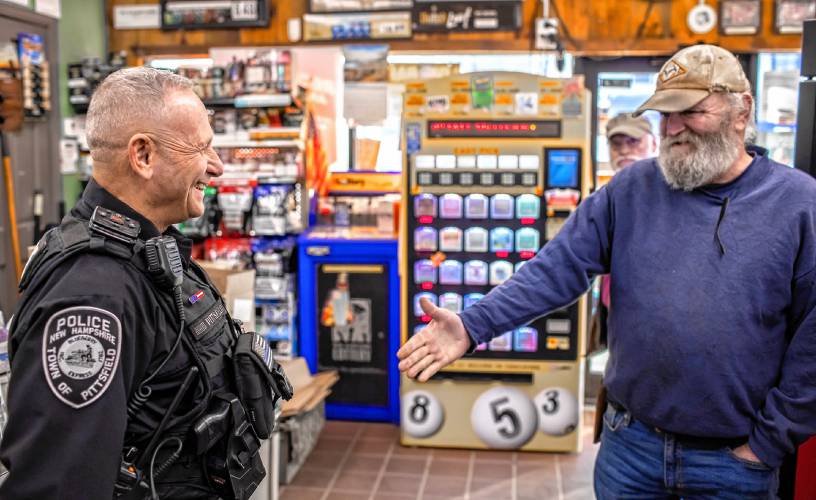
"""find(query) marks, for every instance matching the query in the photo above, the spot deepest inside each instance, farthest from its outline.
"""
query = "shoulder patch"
(81, 349)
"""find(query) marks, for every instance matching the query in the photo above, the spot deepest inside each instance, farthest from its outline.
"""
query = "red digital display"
(502, 255)
(528, 221)
(425, 318)
(427, 285)
(426, 219)
(494, 128)
(527, 255)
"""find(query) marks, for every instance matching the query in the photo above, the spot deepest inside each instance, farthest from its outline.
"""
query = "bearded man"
(630, 139)
(712, 254)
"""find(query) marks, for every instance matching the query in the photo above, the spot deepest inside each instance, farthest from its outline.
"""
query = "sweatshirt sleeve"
(788, 417)
(554, 278)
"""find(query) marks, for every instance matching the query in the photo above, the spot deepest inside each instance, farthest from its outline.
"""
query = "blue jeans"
(636, 462)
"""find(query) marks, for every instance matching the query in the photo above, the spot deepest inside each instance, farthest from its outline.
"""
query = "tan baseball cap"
(626, 124)
(693, 74)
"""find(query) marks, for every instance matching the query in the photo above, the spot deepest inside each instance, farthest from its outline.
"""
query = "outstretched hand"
(437, 345)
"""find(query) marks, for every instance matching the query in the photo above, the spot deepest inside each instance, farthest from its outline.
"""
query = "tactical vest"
(210, 334)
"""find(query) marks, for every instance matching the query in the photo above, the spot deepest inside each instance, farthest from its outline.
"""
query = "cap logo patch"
(671, 71)
(81, 349)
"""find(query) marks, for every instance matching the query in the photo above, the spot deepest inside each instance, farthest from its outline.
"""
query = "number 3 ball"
(422, 414)
(557, 411)
(504, 418)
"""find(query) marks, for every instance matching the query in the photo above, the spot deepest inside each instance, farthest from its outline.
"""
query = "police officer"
(105, 390)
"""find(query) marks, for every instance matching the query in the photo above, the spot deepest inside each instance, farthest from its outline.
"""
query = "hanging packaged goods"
(210, 14)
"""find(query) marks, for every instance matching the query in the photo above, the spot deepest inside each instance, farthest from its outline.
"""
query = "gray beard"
(712, 155)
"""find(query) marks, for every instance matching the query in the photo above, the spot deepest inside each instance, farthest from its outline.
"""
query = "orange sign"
(365, 182)
(460, 99)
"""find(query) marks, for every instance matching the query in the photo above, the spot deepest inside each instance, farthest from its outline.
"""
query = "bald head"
(127, 102)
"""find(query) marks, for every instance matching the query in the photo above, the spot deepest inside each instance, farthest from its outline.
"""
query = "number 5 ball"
(422, 414)
(504, 418)
(557, 411)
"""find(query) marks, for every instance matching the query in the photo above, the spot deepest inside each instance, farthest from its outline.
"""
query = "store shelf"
(250, 101)
(269, 133)
(231, 142)
(240, 178)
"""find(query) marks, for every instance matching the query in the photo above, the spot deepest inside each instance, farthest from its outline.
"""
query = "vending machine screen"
(528, 206)
(501, 206)
(425, 239)
(450, 273)
(451, 301)
(503, 342)
(450, 239)
(472, 298)
(450, 206)
(428, 295)
(476, 239)
(425, 205)
(476, 206)
(476, 272)
(501, 239)
(563, 168)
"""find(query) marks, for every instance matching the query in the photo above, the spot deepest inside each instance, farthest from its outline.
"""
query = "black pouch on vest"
(261, 382)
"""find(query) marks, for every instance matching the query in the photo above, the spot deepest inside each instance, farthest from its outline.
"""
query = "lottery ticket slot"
(563, 186)
(493, 166)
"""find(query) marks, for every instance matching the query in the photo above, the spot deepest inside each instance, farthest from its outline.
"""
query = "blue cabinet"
(349, 321)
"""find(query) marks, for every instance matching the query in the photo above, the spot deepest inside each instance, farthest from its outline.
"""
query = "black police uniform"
(84, 338)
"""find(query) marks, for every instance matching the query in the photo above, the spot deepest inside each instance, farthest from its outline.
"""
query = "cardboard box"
(303, 416)
(310, 390)
(237, 286)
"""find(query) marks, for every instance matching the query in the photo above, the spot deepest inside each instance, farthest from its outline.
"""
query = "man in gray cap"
(630, 139)
(712, 337)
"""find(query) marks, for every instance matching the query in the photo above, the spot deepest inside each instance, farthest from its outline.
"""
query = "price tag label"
(391, 28)
(244, 10)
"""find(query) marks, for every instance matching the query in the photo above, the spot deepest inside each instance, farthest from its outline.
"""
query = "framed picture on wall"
(357, 26)
(791, 13)
(740, 17)
(214, 14)
(358, 5)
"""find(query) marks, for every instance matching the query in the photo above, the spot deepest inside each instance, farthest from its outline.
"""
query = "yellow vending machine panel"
(496, 162)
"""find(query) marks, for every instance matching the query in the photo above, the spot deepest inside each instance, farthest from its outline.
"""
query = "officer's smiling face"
(186, 160)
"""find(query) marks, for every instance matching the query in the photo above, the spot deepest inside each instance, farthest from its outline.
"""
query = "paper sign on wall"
(127, 17)
(48, 7)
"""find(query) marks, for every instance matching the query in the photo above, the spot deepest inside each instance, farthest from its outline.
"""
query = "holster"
(234, 466)
(260, 381)
(600, 409)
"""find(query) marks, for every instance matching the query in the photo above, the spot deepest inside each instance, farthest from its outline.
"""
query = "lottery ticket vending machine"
(496, 162)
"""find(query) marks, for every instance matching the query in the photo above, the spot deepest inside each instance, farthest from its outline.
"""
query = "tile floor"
(358, 461)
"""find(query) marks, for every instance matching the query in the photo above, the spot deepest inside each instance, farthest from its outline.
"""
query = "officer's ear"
(142, 155)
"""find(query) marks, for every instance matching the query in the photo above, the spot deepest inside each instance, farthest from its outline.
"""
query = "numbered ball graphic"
(504, 418)
(422, 414)
(557, 411)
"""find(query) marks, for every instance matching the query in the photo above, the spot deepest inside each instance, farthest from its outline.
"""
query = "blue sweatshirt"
(712, 331)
